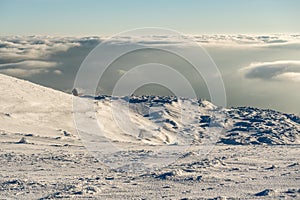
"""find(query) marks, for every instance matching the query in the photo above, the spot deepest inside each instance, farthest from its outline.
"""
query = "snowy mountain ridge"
(195, 118)
(156, 120)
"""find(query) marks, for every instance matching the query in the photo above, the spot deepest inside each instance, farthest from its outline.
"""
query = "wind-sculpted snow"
(159, 120)
(41, 157)
(184, 119)
(262, 126)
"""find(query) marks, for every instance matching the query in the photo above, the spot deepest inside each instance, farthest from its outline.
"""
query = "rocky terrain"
(241, 125)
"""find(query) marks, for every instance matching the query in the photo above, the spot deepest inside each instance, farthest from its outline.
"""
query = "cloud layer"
(14, 48)
(275, 40)
(27, 68)
(287, 70)
(54, 62)
(23, 56)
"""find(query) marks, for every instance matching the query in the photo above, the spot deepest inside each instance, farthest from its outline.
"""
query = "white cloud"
(23, 56)
(29, 64)
(17, 48)
(58, 72)
(27, 68)
(39, 52)
(286, 70)
(33, 47)
(22, 72)
(246, 40)
(291, 76)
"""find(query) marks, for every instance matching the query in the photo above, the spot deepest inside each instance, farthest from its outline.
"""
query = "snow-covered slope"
(261, 126)
(29, 108)
(157, 120)
(172, 120)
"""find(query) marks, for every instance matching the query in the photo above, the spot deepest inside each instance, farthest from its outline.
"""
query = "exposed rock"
(22, 141)
(266, 192)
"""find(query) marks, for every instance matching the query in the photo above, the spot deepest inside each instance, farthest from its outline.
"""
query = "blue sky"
(97, 17)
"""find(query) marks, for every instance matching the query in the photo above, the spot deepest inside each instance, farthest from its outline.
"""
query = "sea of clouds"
(24, 56)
